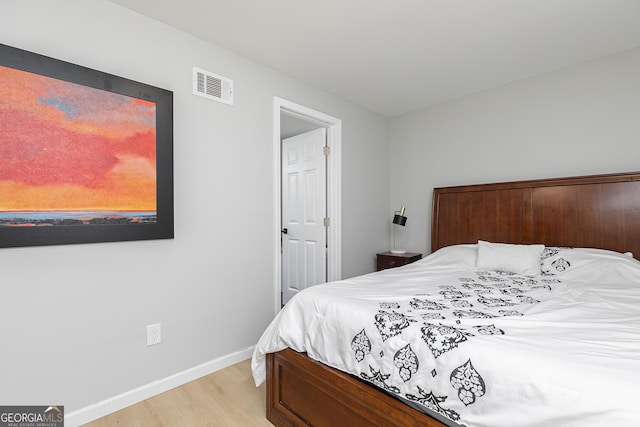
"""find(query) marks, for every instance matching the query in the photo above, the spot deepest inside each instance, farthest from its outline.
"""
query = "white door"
(304, 236)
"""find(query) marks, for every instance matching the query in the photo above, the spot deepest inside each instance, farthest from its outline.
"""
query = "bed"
(557, 346)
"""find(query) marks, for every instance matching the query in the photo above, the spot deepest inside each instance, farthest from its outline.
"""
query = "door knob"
(285, 231)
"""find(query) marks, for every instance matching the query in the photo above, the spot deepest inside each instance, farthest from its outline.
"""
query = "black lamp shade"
(399, 219)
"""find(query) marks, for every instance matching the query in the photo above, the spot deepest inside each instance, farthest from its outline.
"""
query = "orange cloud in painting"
(65, 146)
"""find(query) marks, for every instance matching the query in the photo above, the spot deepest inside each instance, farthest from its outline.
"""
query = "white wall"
(73, 318)
(579, 121)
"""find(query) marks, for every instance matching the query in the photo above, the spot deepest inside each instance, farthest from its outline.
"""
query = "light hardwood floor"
(228, 397)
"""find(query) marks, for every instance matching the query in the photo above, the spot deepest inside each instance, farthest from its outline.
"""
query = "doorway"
(288, 115)
(304, 210)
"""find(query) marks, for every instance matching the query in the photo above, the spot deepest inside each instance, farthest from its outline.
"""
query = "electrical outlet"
(154, 334)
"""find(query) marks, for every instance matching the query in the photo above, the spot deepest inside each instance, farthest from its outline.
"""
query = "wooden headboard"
(600, 211)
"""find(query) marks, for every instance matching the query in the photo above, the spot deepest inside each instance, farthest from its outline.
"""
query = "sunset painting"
(74, 155)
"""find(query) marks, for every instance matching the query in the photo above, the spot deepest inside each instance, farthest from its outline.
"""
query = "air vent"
(212, 86)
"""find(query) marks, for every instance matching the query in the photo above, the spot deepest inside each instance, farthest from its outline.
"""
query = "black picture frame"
(163, 226)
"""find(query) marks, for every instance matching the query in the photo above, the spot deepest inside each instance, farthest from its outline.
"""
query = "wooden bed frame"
(601, 211)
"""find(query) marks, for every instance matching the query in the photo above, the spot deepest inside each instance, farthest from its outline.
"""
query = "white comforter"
(482, 348)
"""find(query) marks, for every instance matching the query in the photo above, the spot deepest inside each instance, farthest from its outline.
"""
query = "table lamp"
(398, 219)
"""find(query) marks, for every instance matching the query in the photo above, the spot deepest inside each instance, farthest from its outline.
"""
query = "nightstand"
(388, 260)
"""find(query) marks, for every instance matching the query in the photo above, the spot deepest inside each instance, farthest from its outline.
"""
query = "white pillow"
(519, 259)
(455, 256)
(560, 260)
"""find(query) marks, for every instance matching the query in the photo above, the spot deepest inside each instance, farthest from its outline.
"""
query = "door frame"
(333, 126)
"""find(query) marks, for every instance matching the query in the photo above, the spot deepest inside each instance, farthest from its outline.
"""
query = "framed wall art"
(85, 156)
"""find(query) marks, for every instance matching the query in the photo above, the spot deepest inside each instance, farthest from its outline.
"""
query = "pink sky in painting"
(65, 146)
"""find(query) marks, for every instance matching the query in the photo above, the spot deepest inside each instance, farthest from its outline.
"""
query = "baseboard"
(113, 404)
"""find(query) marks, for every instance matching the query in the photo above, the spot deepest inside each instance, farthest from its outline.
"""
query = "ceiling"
(398, 56)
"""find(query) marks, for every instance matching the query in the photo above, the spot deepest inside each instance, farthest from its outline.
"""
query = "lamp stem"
(393, 228)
